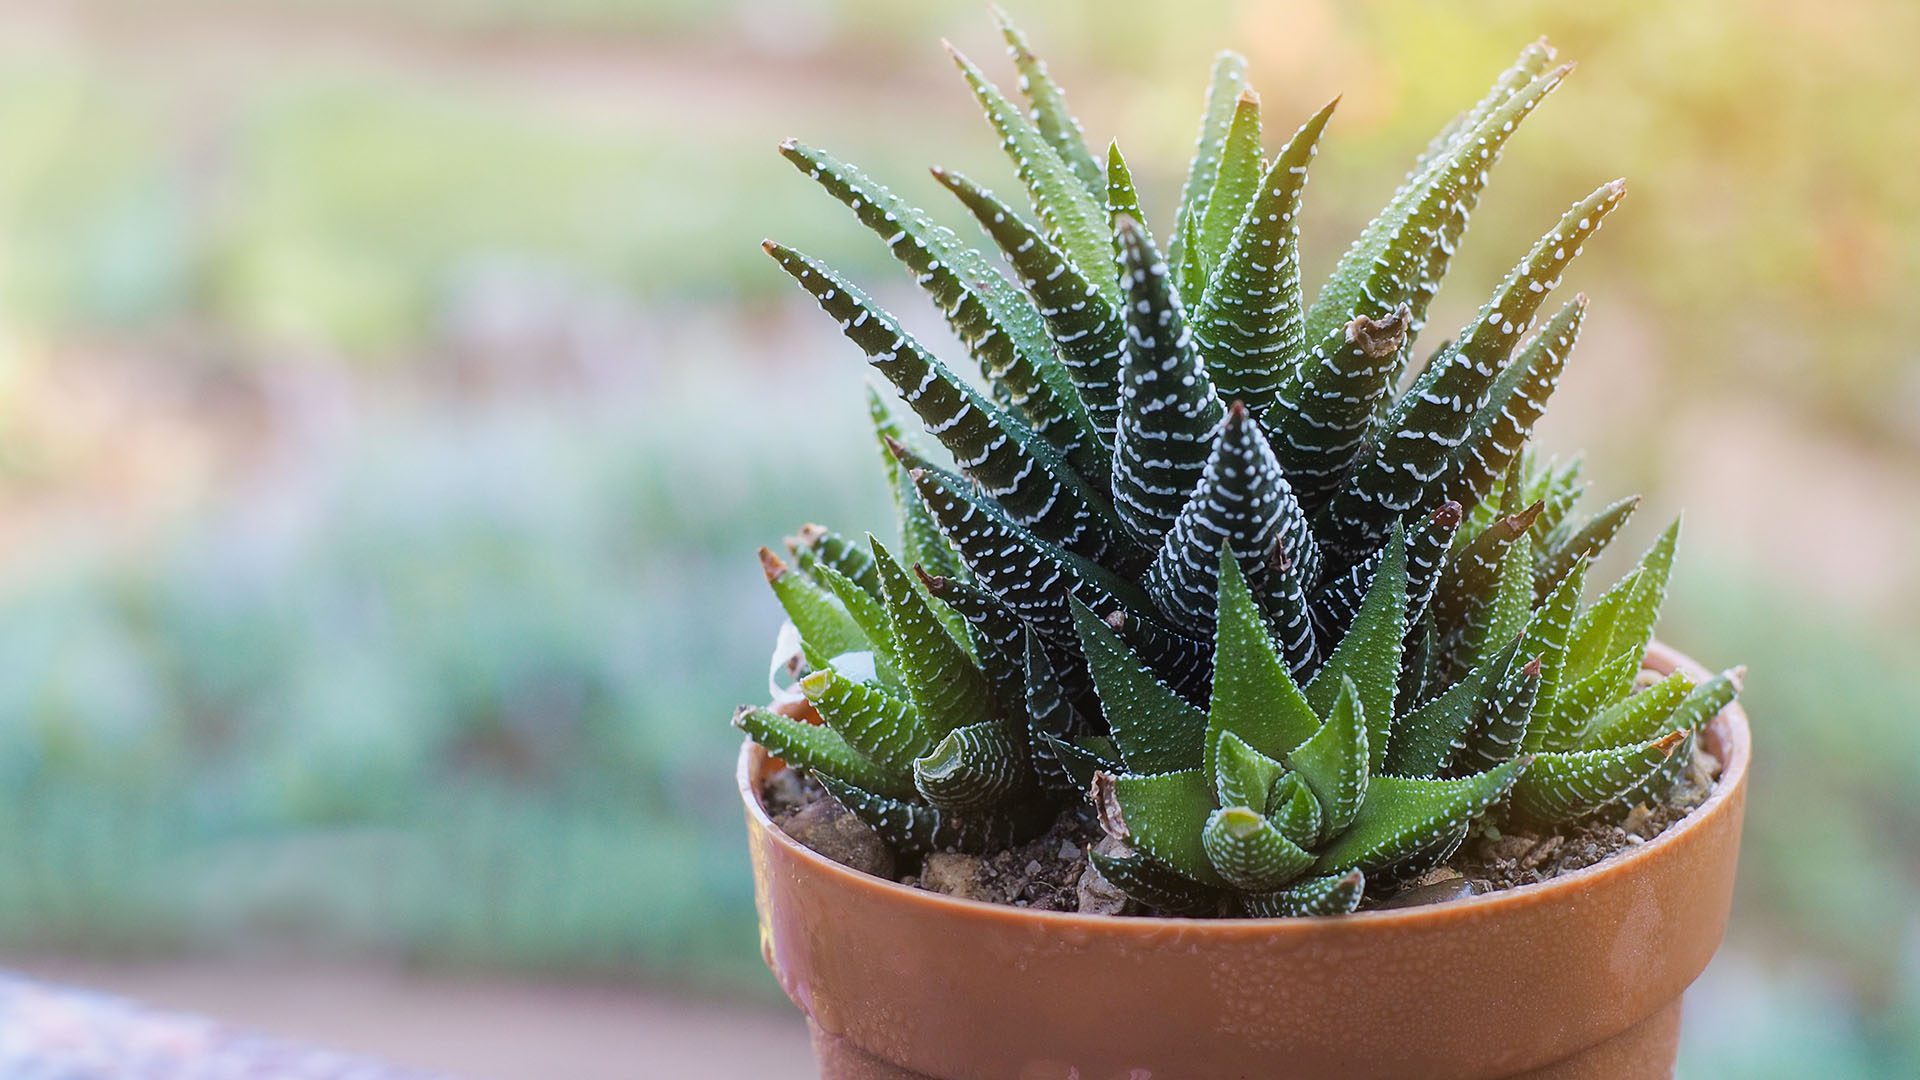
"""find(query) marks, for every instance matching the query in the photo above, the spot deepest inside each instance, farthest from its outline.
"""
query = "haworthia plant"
(1289, 623)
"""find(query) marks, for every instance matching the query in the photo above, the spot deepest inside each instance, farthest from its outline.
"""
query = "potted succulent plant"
(1234, 706)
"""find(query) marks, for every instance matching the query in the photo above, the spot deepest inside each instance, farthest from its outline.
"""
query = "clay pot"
(1576, 977)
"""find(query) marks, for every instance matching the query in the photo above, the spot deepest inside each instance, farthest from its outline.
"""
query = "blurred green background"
(391, 398)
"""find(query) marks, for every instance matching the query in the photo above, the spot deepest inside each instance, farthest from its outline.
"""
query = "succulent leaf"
(1334, 763)
(826, 629)
(1333, 894)
(1249, 852)
(1229, 78)
(1645, 714)
(1325, 405)
(1088, 334)
(1242, 506)
(1501, 726)
(973, 769)
(1250, 324)
(1431, 423)
(1564, 787)
(1295, 811)
(1157, 729)
(1585, 543)
(1401, 257)
(1403, 815)
(1075, 222)
(1369, 656)
(1169, 411)
(998, 324)
(1023, 472)
(1515, 403)
(1049, 112)
(1234, 185)
(946, 687)
(1161, 814)
(1242, 776)
(819, 749)
(1254, 698)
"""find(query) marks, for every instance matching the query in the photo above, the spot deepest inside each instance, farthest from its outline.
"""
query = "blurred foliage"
(448, 677)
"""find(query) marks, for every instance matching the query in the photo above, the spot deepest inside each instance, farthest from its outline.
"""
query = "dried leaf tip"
(1532, 670)
(770, 564)
(899, 452)
(1738, 677)
(1448, 514)
(1519, 523)
(1379, 338)
(789, 144)
(935, 583)
(770, 248)
(810, 533)
(1668, 741)
(1106, 806)
(1249, 96)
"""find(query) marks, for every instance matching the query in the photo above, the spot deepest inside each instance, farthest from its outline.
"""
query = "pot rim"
(1729, 731)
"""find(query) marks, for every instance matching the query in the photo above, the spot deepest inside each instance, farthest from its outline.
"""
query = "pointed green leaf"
(1088, 333)
(1564, 787)
(1241, 505)
(1155, 728)
(1168, 410)
(1249, 852)
(1233, 185)
(1334, 762)
(1586, 543)
(946, 687)
(1254, 698)
(1242, 776)
(1403, 815)
(826, 630)
(1547, 634)
(1580, 701)
(1000, 327)
(1295, 811)
(881, 726)
(1162, 815)
(1642, 715)
(1325, 406)
(1518, 399)
(1075, 222)
(1229, 78)
(1501, 727)
(869, 615)
(818, 749)
(974, 768)
(1428, 427)
(1022, 471)
(1050, 114)
(1250, 323)
(1333, 894)
(1370, 653)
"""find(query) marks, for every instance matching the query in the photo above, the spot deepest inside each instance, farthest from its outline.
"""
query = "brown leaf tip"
(1106, 806)
(1448, 514)
(1532, 670)
(936, 584)
(771, 564)
(1117, 620)
(1380, 338)
(1668, 741)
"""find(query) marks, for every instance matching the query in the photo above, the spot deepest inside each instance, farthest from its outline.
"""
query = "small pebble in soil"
(824, 825)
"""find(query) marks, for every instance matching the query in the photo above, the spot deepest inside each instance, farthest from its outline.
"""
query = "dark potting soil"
(1051, 871)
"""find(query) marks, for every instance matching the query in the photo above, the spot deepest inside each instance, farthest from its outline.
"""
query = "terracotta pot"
(1580, 976)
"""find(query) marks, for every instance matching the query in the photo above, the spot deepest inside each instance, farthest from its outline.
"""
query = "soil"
(1051, 871)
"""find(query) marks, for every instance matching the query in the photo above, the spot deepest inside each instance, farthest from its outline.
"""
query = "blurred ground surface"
(469, 1028)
